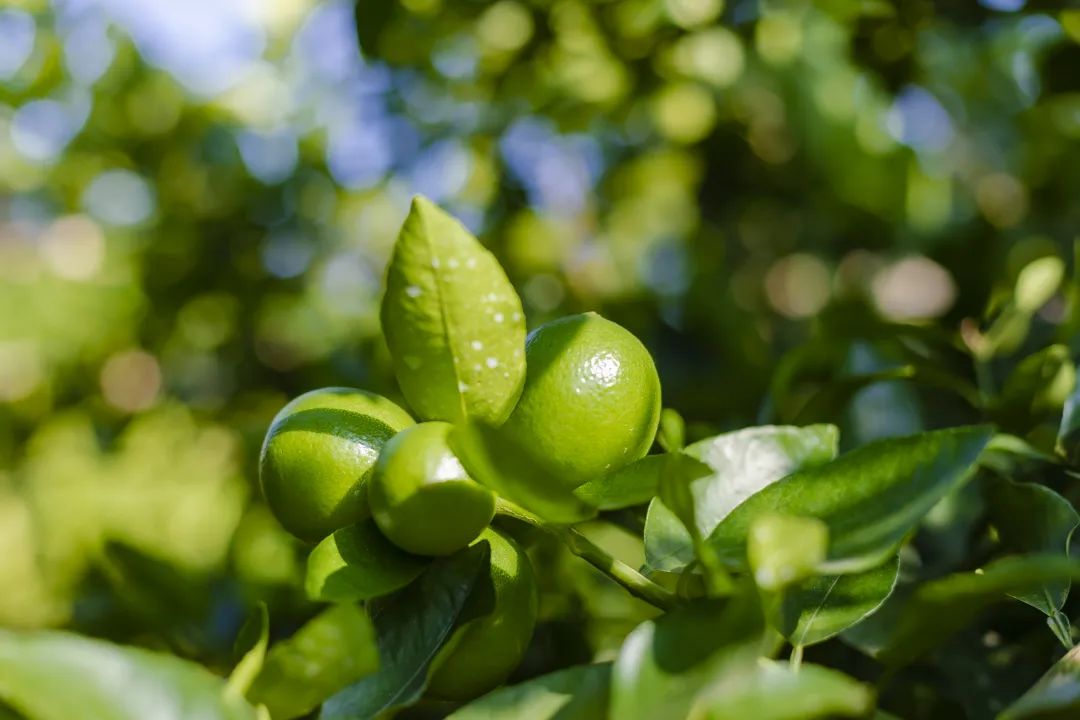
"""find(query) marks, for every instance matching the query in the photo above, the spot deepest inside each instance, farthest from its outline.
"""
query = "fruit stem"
(635, 583)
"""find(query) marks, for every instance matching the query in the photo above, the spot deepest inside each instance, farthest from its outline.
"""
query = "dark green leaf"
(939, 608)
(634, 484)
(332, 650)
(496, 459)
(767, 690)
(1068, 437)
(1032, 518)
(742, 463)
(870, 498)
(817, 609)
(358, 563)
(576, 693)
(672, 431)
(60, 676)
(665, 663)
(452, 321)
(411, 626)
(251, 644)
(1055, 697)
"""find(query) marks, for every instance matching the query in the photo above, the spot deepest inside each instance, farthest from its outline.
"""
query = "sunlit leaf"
(576, 693)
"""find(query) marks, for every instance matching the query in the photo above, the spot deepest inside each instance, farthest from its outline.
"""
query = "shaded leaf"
(817, 609)
(411, 626)
(54, 675)
(335, 648)
(664, 663)
(633, 484)
(870, 498)
(251, 644)
(742, 463)
(498, 460)
(767, 690)
(1032, 518)
(576, 693)
(452, 321)
(939, 608)
(1068, 437)
(1055, 697)
(358, 563)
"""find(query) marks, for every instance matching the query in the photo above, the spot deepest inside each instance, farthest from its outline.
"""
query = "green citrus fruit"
(318, 454)
(421, 497)
(591, 402)
(482, 653)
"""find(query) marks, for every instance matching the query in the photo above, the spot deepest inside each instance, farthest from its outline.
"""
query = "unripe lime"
(591, 402)
(482, 654)
(421, 497)
(318, 454)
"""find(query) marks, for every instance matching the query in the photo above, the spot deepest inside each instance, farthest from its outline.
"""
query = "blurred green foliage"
(776, 197)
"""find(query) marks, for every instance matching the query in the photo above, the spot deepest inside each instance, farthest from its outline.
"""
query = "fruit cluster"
(577, 399)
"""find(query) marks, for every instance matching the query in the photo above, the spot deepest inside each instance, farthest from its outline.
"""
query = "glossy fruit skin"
(482, 654)
(421, 497)
(591, 402)
(318, 455)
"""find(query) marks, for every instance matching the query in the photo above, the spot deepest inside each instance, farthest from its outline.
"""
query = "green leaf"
(1056, 696)
(870, 498)
(664, 663)
(1068, 437)
(671, 433)
(742, 462)
(576, 693)
(359, 563)
(53, 675)
(817, 609)
(784, 549)
(251, 644)
(1032, 518)
(498, 460)
(411, 626)
(452, 321)
(334, 649)
(767, 690)
(939, 608)
(1040, 384)
(633, 484)
(1038, 282)
(679, 472)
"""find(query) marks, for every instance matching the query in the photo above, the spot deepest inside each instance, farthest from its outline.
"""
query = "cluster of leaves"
(866, 569)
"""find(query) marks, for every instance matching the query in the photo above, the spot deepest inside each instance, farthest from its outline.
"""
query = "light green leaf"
(359, 563)
(576, 693)
(335, 648)
(671, 433)
(742, 463)
(411, 626)
(664, 663)
(633, 484)
(767, 690)
(870, 498)
(784, 549)
(498, 460)
(1032, 518)
(251, 644)
(1038, 282)
(452, 321)
(939, 608)
(817, 609)
(1056, 696)
(53, 675)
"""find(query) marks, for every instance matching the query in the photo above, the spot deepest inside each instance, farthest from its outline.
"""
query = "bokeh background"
(198, 200)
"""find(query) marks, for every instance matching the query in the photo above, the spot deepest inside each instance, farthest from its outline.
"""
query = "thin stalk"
(1062, 629)
(796, 657)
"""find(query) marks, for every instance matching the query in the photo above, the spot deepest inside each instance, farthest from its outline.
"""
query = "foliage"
(845, 230)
